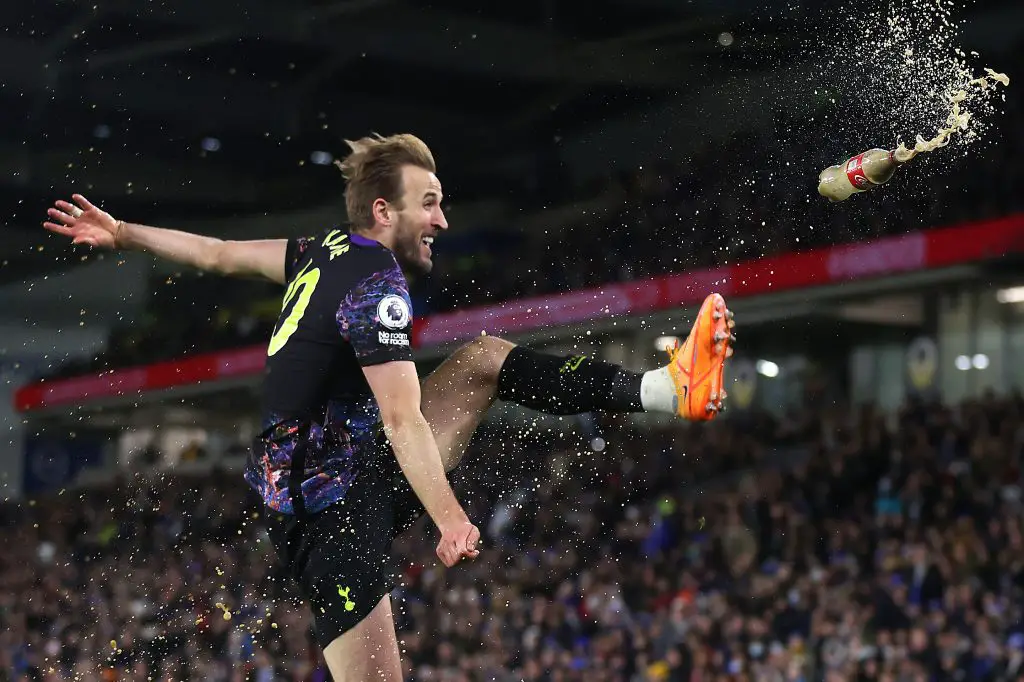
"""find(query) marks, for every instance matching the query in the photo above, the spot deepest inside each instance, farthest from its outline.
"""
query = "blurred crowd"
(852, 546)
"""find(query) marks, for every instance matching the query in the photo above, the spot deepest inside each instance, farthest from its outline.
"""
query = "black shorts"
(341, 556)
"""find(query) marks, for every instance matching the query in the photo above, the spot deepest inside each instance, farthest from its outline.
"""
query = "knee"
(486, 355)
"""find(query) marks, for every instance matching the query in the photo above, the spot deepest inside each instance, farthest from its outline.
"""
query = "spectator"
(613, 571)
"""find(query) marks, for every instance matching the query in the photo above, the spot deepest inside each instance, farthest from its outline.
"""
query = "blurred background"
(856, 515)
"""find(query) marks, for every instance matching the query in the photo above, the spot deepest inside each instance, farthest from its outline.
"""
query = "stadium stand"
(836, 545)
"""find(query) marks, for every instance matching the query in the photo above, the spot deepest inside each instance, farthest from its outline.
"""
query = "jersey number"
(299, 291)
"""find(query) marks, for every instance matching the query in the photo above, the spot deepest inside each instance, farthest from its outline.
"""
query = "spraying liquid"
(875, 167)
(957, 120)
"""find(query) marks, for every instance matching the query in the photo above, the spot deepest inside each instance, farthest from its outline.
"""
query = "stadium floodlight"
(666, 343)
(321, 158)
(1011, 295)
(767, 368)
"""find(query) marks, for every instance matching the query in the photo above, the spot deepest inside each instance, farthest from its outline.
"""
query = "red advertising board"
(817, 267)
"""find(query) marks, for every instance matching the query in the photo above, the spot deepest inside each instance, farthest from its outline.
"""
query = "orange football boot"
(698, 365)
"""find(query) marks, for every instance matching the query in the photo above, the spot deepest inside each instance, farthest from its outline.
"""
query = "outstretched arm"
(87, 224)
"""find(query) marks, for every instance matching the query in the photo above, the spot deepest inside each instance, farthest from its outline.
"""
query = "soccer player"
(354, 448)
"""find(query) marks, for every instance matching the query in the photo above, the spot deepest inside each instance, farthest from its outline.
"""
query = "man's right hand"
(458, 540)
(84, 223)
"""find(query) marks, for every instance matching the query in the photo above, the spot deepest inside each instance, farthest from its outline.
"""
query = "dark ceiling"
(116, 97)
(274, 81)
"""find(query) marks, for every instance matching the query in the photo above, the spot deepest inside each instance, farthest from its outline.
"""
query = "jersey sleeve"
(375, 317)
(293, 253)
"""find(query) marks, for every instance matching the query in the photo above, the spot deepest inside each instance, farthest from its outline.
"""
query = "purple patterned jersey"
(346, 306)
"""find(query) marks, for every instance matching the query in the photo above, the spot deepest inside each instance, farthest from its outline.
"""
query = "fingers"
(64, 220)
(70, 209)
(467, 546)
(447, 555)
(464, 554)
(59, 229)
(65, 215)
(83, 202)
(451, 550)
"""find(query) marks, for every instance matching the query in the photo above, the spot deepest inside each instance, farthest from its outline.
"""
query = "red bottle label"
(855, 172)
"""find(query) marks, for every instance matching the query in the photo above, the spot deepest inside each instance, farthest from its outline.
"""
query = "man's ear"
(382, 213)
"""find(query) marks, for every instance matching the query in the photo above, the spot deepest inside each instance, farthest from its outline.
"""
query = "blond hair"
(374, 171)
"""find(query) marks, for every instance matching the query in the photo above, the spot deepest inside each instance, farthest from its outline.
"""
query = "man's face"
(419, 221)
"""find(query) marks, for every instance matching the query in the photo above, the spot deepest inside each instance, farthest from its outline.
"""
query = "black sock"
(567, 385)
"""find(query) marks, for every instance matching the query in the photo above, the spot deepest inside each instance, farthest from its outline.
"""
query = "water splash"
(958, 120)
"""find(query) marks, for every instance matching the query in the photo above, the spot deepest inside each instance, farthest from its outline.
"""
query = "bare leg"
(369, 651)
(457, 395)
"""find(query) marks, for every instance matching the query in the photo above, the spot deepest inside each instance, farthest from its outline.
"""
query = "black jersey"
(346, 306)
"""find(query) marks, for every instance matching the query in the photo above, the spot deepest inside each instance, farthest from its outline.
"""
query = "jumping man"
(353, 447)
